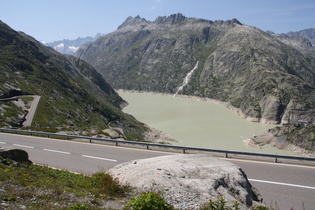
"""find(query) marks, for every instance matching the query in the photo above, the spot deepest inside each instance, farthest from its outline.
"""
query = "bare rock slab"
(188, 181)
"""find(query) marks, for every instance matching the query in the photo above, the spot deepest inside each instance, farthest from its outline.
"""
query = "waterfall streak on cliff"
(187, 79)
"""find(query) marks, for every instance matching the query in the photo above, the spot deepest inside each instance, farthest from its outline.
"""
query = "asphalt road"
(282, 186)
(31, 113)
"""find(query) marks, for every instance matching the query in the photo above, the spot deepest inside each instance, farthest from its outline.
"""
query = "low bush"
(148, 201)
(106, 184)
(220, 204)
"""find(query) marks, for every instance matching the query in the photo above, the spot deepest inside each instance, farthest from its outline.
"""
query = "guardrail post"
(276, 160)
(184, 151)
(148, 147)
(90, 140)
(226, 155)
(117, 144)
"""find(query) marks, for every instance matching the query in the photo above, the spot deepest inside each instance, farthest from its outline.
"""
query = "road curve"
(29, 117)
(282, 186)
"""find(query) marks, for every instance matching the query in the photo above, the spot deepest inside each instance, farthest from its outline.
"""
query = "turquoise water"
(196, 123)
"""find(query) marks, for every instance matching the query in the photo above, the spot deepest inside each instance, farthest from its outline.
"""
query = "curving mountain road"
(282, 185)
(32, 110)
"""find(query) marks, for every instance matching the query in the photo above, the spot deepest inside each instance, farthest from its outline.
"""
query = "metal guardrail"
(148, 145)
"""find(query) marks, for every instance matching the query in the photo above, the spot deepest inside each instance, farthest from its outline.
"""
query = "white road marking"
(99, 158)
(20, 145)
(2, 142)
(269, 163)
(99, 145)
(57, 151)
(280, 183)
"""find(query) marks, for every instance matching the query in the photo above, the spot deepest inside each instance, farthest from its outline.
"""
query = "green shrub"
(220, 204)
(79, 206)
(108, 185)
(148, 201)
(261, 208)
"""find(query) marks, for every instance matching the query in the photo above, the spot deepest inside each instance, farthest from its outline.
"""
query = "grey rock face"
(307, 33)
(295, 137)
(189, 181)
(242, 65)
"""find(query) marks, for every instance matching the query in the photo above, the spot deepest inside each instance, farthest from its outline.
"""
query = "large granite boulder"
(189, 181)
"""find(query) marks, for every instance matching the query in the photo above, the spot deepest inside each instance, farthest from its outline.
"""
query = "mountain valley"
(242, 65)
(267, 77)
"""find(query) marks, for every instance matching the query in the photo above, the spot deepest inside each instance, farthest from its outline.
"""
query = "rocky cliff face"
(239, 64)
(74, 96)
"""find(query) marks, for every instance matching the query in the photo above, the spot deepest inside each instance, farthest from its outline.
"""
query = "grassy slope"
(39, 187)
(73, 95)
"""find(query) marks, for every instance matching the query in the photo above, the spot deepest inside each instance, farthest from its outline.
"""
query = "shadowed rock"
(17, 155)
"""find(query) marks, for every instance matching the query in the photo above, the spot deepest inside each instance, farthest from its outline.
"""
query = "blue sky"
(51, 20)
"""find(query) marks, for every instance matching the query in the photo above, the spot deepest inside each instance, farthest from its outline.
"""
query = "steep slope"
(73, 95)
(239, 64)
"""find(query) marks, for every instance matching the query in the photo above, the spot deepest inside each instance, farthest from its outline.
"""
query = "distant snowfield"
(67, 46)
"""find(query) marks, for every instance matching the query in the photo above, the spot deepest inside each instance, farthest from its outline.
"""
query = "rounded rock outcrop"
(189, 181)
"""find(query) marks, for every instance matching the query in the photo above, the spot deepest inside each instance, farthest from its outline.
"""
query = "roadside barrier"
(148, 145)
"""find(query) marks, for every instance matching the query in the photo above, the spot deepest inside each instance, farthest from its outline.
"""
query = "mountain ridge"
(67, 46)
(306, 33)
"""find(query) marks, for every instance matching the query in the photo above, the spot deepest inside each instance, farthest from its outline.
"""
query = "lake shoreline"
(211, 100)
(160, 135)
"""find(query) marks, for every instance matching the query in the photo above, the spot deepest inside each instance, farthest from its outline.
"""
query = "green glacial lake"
(195, 123)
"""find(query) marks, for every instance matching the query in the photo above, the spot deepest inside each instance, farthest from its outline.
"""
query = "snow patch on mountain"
(67, 46)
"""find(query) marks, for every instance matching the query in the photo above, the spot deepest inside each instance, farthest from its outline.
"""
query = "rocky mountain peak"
(173, 19)
(133, 21)
(231, 22)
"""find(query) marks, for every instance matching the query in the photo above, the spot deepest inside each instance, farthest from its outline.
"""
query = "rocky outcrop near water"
(297, 138)
(189, 181)
(261, 75)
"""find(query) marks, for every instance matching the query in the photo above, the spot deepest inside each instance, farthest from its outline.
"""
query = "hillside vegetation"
(29, 186)
(74, 96)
